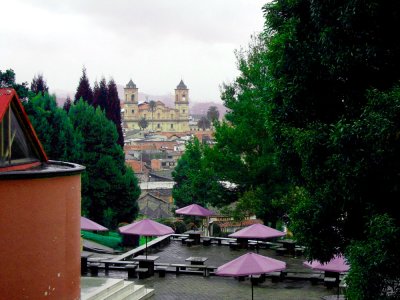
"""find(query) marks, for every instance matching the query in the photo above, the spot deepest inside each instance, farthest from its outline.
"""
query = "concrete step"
(113, 289)
(100, 287)
(141, 294)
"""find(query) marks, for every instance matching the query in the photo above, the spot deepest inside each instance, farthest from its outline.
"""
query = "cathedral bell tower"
(182, 101)
(131, 110)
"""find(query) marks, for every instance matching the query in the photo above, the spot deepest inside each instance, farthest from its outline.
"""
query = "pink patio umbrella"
(87, 224)
(257, 231)
(250, 264)
(146, 228)
(337, 264)
(195, 210)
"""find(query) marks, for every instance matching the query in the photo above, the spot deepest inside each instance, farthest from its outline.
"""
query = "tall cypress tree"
(84, 90)
(113, 109)
(100, 94)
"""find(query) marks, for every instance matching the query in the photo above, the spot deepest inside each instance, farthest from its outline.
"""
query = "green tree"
(7, 79)
(194, 182)
(203, 123)
(244, 153)
(110, 189)
(39, 85)
(333, 112)
(54, 129)
(213, 114)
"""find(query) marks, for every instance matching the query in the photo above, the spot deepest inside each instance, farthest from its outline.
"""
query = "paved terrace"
(188, 286)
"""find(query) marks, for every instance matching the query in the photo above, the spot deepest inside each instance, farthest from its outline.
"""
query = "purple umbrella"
(194, 210)
(250, 264)
(337, 264)
(257, 231)
(147, 228)
(87, 224)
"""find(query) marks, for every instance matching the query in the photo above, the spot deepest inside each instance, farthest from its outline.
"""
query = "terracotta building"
(39, 215)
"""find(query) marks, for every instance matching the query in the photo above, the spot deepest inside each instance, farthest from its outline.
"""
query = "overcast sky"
(154, 42)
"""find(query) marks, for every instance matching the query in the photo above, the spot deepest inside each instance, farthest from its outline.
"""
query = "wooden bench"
(314, 278)
(204, 268)
(94, 268)
(277, 276)
(206, 241)
(118, 263)
(142, 272)
(280, 251)
(216, 241)
(161, 268)
(189, 242)
(233, 245)
(131, 270)
(330, 282)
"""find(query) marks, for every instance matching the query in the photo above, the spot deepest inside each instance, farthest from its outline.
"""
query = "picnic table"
(196, 260)
(194, 235)
(146, 264)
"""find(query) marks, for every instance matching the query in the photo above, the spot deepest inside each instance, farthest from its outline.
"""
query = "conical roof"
(181, 86)
(131, 85)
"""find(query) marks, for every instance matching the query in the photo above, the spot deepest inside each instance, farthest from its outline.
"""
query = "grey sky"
(154, 42)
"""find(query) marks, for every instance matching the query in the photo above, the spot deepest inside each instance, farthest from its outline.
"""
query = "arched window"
(158, 125)
(133, 97)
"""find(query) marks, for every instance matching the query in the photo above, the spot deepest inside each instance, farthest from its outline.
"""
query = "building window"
(133, 97)
(183, 111)
(15, 147)
(126, 97)
(133, 111)
(172, 126)
(158, 125)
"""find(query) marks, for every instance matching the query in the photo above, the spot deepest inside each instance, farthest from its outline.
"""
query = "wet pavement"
(187, 286)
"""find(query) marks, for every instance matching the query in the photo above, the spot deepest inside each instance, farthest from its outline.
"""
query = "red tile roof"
(136, 165)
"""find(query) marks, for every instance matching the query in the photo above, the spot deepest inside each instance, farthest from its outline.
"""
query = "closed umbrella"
(146, 228)
(250, 264)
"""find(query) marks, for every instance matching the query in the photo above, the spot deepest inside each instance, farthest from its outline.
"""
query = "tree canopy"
(333, 113)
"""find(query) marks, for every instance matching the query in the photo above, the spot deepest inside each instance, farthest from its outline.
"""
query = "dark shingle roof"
(181, 86)
(131, 85)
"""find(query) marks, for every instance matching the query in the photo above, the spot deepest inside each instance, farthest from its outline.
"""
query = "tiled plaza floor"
(197, 287)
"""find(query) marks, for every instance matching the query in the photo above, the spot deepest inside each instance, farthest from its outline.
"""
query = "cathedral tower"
(182, 106)
(131, 110)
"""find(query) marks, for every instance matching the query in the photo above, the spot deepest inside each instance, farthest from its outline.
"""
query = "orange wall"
(40, 238)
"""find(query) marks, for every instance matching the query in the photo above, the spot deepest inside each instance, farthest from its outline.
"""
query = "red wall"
(40, 238)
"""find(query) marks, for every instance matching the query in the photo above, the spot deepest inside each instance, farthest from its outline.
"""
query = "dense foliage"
(84, 135)
(333, 110)
(195, 182)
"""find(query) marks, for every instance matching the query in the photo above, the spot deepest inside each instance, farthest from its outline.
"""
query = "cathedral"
(158, 117)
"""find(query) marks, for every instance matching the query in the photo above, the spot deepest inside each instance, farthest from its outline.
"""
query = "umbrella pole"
(146, 247)
(251, 280)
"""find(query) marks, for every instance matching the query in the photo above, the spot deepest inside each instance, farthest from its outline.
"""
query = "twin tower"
(157, 116)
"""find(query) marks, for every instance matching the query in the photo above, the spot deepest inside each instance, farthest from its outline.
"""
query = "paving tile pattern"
(197, 287)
